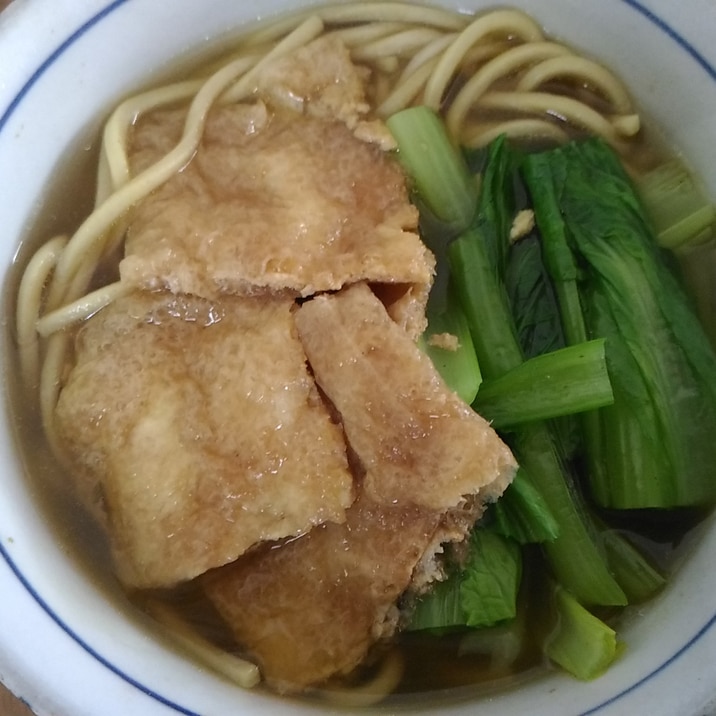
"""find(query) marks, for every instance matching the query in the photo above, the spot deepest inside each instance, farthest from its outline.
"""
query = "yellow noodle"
(50, 384)
(627, 125)
(237, 670)
(65, 317)
(383, 69)
(418, 70)
(565, 108)
(302, 35)
(398, 44)
(428, 52)
(373, 692)
(29, 304)
(393, 12)
(521, 129)
(406, 91)
(508, 22)
(104, 179)
(484, 52)
(585, 71)
(114, 137)
(387, 65)
(501, 66)
(362, 34)
(367, 12)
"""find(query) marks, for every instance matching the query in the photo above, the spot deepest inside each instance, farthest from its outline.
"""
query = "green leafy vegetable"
(522, 514)
(475, 257)
(534, 304)
(679, 211)
(458, 367)
(482, 593)
(562, 382)
(592, 260)
(653, 447)
(441, 180)
(489, 586)
(580, 643)
(637, 577)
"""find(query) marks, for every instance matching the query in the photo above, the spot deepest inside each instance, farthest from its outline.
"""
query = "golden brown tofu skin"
(417, 441)
(281, 195)
(272, 202)
(203, 430)
(312, 607)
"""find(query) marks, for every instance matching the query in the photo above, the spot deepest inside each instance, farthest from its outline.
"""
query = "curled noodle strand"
(512, 23)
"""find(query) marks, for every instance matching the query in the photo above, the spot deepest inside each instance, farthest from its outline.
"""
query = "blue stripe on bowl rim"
(663, 26)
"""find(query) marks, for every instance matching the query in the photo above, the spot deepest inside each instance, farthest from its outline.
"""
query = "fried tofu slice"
(317, 79)
(274, 202)
(417, 441)
(312, 608)
(203, 430)
(280, 200)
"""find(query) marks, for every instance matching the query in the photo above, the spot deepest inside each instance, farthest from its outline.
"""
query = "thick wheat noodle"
(406, 91)
(387, 65)
(526, 129)
(362, 34)
(429, 52)
(395, 12)
(415, 75)
(483, 52)
(29, 305)
(369, 12)
(585, 71)
(507, 22)
(239, 671)
(86, 245)
(627, 125)
(399, 44)
(309, 30)
(50, 382)
(565, 108)
(501, 66)
(114, 136)
(374, 691)
(83, 308)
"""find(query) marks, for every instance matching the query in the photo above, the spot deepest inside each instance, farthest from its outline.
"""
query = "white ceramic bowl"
(67, 646)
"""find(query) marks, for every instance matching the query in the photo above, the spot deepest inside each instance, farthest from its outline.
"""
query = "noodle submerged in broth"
(242, 404)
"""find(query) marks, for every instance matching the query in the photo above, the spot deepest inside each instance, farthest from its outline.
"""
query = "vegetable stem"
(562, 382)
(439, 174)
(580, 643)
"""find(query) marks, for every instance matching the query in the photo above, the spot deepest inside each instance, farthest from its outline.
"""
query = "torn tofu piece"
(417, 441)
(317, 79)
(426, 465)
(204, 432)
(311, 608)
(274, 202)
